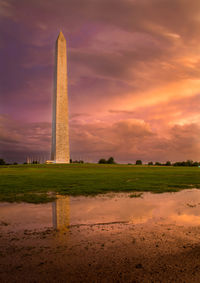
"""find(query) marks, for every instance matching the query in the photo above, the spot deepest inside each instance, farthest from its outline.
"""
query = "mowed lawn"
(31, 183)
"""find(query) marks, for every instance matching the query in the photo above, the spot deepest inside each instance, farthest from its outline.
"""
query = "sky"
(133, 78)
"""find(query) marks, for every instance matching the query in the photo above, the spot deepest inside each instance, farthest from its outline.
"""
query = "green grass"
(31, 183)
(136, 195)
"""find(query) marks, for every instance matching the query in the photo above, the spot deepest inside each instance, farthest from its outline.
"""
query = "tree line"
(169, 163)
(139, 162)
(111, 160)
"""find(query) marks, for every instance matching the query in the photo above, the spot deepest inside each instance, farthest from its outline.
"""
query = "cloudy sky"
(133, 73)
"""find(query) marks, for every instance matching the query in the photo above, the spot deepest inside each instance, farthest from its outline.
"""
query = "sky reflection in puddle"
(182, 208)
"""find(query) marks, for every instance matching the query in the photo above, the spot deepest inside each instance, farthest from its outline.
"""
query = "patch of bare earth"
(118, 252)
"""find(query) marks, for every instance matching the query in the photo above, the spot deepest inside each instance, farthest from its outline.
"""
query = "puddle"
(107, 238)
(181, 208)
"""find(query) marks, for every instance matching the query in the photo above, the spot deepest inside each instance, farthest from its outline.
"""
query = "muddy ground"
(113, 252)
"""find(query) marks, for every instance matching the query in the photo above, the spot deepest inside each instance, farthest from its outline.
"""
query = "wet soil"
(102, 253)
(157, 247)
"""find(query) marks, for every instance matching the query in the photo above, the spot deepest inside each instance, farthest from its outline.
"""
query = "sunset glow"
(133, 78)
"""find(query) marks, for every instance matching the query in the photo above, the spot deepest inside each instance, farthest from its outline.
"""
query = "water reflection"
(182, 208)
(61, 213)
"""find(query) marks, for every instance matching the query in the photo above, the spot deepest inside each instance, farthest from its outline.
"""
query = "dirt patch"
(117, 252)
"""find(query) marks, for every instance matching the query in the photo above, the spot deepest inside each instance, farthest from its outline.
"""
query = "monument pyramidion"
(60, 124)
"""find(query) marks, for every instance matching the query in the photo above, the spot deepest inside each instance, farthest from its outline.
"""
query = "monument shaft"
(60, 127)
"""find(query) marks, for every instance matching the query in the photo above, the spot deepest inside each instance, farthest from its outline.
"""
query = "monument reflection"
(61, 213)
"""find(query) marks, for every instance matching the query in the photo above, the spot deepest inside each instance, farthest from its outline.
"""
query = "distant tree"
(25, 163)
(70, 160)
(188, 163)
(102, 161)
(138, 162)
(168, 163)
(150, 163)
(35, 162)
(2, 161)
(15, 163)
(110, 160)
(129, 163)
(158, 164)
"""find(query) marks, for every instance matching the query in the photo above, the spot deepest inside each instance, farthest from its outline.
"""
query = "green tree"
(168, 163)
(102, 161)
(138, 162)
(189, 163)
(110, 160)
(150, 163)
(2, 161)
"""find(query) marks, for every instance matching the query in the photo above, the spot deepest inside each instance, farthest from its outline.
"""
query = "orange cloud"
(133, 75)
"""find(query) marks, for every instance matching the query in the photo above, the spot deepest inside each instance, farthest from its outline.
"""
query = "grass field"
(31, 183)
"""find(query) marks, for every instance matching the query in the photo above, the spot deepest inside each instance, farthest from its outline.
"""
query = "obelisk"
(60, 127)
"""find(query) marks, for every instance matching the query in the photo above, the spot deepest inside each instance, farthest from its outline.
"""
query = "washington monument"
(60, 127)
